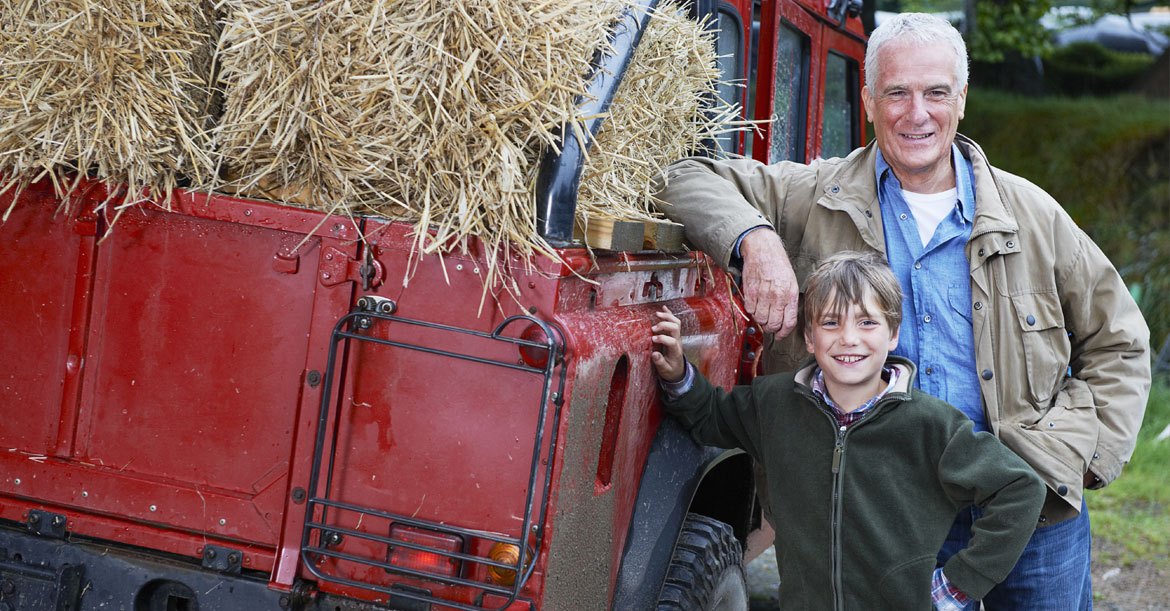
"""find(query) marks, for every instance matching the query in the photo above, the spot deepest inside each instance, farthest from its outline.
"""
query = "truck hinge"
(47, 524)
(338, 267)
(222, 559)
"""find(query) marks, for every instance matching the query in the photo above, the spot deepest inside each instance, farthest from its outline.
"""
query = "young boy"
(864, 475)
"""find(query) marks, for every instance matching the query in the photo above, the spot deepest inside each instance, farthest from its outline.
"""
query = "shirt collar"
(818, 388)
(963, 179)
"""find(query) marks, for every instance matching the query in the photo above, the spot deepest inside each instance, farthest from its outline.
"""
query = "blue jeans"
(1053, 573)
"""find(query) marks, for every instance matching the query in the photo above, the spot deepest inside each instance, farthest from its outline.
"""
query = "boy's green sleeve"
(717, 417)
(977, 469)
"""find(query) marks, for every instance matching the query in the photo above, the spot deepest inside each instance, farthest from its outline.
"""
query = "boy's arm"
(977, 469)
(713, 417)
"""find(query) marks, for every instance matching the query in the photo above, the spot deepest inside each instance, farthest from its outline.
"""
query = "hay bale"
(430, 111)
(659, 115)
(439, 112)
(119, 89)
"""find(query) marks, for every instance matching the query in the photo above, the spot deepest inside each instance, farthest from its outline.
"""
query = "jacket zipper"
(835, 518)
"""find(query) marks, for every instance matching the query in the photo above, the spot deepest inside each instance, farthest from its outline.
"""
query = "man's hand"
(668, 358)
(770, 289)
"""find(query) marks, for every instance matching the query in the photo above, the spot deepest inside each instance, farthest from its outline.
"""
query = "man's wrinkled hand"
(770, 288)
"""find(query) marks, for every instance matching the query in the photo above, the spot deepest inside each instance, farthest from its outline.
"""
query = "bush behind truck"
(220, 403)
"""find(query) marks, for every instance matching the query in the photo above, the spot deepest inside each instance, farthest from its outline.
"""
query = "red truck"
(231, 404)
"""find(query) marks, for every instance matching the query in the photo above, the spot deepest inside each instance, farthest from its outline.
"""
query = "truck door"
(809, 83)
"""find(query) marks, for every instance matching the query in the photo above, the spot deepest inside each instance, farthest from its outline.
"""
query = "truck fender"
(675, 470)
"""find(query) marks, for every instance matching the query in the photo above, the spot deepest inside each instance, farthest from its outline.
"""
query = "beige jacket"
(1045, 300)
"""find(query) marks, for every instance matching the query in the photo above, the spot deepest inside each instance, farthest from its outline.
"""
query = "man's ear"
(962, 102)
(867, 101)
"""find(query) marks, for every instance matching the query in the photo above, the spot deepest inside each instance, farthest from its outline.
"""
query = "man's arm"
(724, 203)
(1110, 352)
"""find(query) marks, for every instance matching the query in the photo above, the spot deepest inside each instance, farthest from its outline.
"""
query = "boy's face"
(851, 347)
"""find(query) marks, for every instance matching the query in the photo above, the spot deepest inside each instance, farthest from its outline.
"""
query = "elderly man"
(1012, 314)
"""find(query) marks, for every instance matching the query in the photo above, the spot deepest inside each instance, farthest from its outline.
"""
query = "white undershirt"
(930, 209)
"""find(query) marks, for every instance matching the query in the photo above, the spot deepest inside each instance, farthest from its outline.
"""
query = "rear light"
(506, 553)
(534, 357)
(436, 560)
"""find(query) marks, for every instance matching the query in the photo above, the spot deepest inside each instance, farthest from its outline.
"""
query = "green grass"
(1133, 512)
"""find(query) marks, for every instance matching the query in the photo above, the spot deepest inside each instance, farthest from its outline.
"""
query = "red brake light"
(435, 562)
(532, 356)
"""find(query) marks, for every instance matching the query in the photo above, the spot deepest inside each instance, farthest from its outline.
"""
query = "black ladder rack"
(319, 537)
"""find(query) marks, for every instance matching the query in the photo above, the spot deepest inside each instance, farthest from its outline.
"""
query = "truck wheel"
(706, 570)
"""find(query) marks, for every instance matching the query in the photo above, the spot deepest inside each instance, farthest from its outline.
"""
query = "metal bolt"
(248, 212)
(209, 553)
(154, 507)
(326, 275)
(298, 495)
(459, 267)
(58, 520)
(233, 558)
(314, 378)
(84, 494)
(34, 518)
(329, 256)
(16, 481)
(222, 521)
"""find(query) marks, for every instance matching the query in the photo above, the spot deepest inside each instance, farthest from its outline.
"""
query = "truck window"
(730, 49)
(789, 100)
(840, 116)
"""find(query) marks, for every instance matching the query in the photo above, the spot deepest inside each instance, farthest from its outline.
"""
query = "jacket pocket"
(1060, 444)
(907, 586)
(1045, 344)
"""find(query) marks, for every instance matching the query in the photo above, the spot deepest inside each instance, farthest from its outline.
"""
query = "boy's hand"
(668, 355)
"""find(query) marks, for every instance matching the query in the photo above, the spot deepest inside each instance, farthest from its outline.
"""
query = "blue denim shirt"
(936, 329)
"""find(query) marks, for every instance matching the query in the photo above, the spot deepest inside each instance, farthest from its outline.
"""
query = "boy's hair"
(847, 278)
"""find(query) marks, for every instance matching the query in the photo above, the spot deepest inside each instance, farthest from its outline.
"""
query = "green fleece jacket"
(860, 514)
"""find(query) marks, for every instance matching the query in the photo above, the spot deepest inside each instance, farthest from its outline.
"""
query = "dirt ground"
(1141, 587)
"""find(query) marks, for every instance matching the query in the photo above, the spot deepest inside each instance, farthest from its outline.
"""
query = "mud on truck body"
(234, 404)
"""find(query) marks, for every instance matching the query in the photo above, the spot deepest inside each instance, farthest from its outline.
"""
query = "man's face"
(915, 108)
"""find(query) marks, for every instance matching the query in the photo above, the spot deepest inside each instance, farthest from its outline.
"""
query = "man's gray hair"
(919, 28)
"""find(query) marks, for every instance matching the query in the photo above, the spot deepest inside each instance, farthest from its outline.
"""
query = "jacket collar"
(906, 372)
(850, 186)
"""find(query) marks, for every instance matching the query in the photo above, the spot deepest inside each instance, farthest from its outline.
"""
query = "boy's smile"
(851, 349)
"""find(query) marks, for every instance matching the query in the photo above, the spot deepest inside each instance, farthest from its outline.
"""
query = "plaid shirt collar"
(845, 418)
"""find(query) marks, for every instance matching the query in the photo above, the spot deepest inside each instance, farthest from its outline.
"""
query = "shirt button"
(978, 305)
(1031, 320)
(926, 318)
(1011, 244)
(981, 252)
(918, 265)
(1062, 490)
(987, 375)
(903, 216)
(930, 371)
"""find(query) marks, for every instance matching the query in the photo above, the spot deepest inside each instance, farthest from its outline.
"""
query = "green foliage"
(1107, 161)
(1134, 511)
(1088, 68)
(1006, 28)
